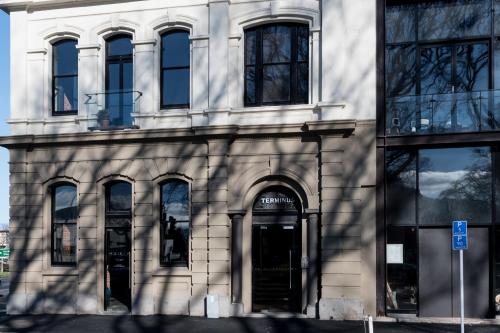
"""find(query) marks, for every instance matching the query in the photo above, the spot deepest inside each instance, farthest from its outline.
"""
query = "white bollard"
(370, 323)
(212, 306)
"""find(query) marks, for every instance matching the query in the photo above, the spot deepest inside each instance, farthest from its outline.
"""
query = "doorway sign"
(459, 243)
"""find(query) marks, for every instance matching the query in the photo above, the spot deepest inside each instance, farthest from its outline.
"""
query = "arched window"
(65, 77)
(118, 202)
(277, 64)
(64, 217)
(175, 63)
(119, 81)
(174, 223)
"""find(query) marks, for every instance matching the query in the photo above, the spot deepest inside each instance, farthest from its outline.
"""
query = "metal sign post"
(460, 243)
(462, 291)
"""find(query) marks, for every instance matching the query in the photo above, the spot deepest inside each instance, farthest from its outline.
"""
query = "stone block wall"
(333, 170)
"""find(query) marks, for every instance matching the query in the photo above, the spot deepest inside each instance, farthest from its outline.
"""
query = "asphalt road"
(172, 324)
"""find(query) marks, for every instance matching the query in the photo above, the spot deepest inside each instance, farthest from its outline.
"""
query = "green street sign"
(4, 253)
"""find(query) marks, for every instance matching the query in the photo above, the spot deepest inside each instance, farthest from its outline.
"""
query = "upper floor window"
(119, 81)
(64, 217)
(175, 73)
(174, 223)
(438, 66)
(65, 78)
(277, 64)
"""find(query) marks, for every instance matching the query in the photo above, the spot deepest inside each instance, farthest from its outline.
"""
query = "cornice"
(341, 128)
(13, 5)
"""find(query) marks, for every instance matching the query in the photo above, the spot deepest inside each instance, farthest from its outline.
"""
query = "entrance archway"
(276, 251)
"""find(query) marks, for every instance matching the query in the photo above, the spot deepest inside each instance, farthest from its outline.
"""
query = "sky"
(4, 114)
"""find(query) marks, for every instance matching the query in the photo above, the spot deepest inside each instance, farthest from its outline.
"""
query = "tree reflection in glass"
(454, 184)
(174, 225)
(401, 167)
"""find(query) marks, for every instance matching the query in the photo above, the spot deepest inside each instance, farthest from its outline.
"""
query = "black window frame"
(53, 188)
(55, 112)
(162, 222)
(117, 213)
(492, 225)
(294, 64)
(491, 37)
(164, 68)
(117, 59)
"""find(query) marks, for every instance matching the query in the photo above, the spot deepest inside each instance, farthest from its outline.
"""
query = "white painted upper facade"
(342, 59)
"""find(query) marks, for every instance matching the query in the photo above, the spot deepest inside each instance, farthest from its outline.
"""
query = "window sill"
(61, 270)
(171, 271)
(164, 113)
(274, 108)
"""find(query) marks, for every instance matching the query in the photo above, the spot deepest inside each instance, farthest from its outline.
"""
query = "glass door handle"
(290, 267)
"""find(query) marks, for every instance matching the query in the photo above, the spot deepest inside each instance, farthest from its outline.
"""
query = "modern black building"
(438, 156)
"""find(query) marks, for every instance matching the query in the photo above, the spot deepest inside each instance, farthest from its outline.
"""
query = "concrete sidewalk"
(173, 324)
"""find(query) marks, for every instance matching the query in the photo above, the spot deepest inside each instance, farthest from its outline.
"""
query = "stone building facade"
(290, 183)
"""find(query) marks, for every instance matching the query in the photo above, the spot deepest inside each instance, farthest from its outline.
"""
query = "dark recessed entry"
(276, 252)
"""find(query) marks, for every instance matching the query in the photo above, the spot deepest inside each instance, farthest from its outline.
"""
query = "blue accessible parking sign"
(459, 239)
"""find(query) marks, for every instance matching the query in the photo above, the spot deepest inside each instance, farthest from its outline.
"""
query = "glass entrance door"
(276, 268)
(117, 289)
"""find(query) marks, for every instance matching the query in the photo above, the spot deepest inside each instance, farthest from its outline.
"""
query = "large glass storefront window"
(426, 190)
(402, 254)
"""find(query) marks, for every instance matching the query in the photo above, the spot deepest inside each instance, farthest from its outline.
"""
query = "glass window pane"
(175, 220)
(119, 46)
(113, 78)
(175, 87)
(175, 242)
(454, 19)
(497, 63)
(497, 17)
(472, 67)
(497, 272)
(401, 170)
(120, 197)
(303, 43)
(454, 184)
(302, 83)
(276, 44)
(276, 83)
(64, 217)
(64, 243)
(402, 254)
(65, 204)
(175, 49)
(400, 70)
(65, 94)
(175, 201)
(128, 76)
(250, 95)
(400, 23)
(65, 58)
(436, 70)
(250, 47)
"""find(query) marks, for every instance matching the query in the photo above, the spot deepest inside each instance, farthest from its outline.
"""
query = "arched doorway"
(276, 251)
(118, 243)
